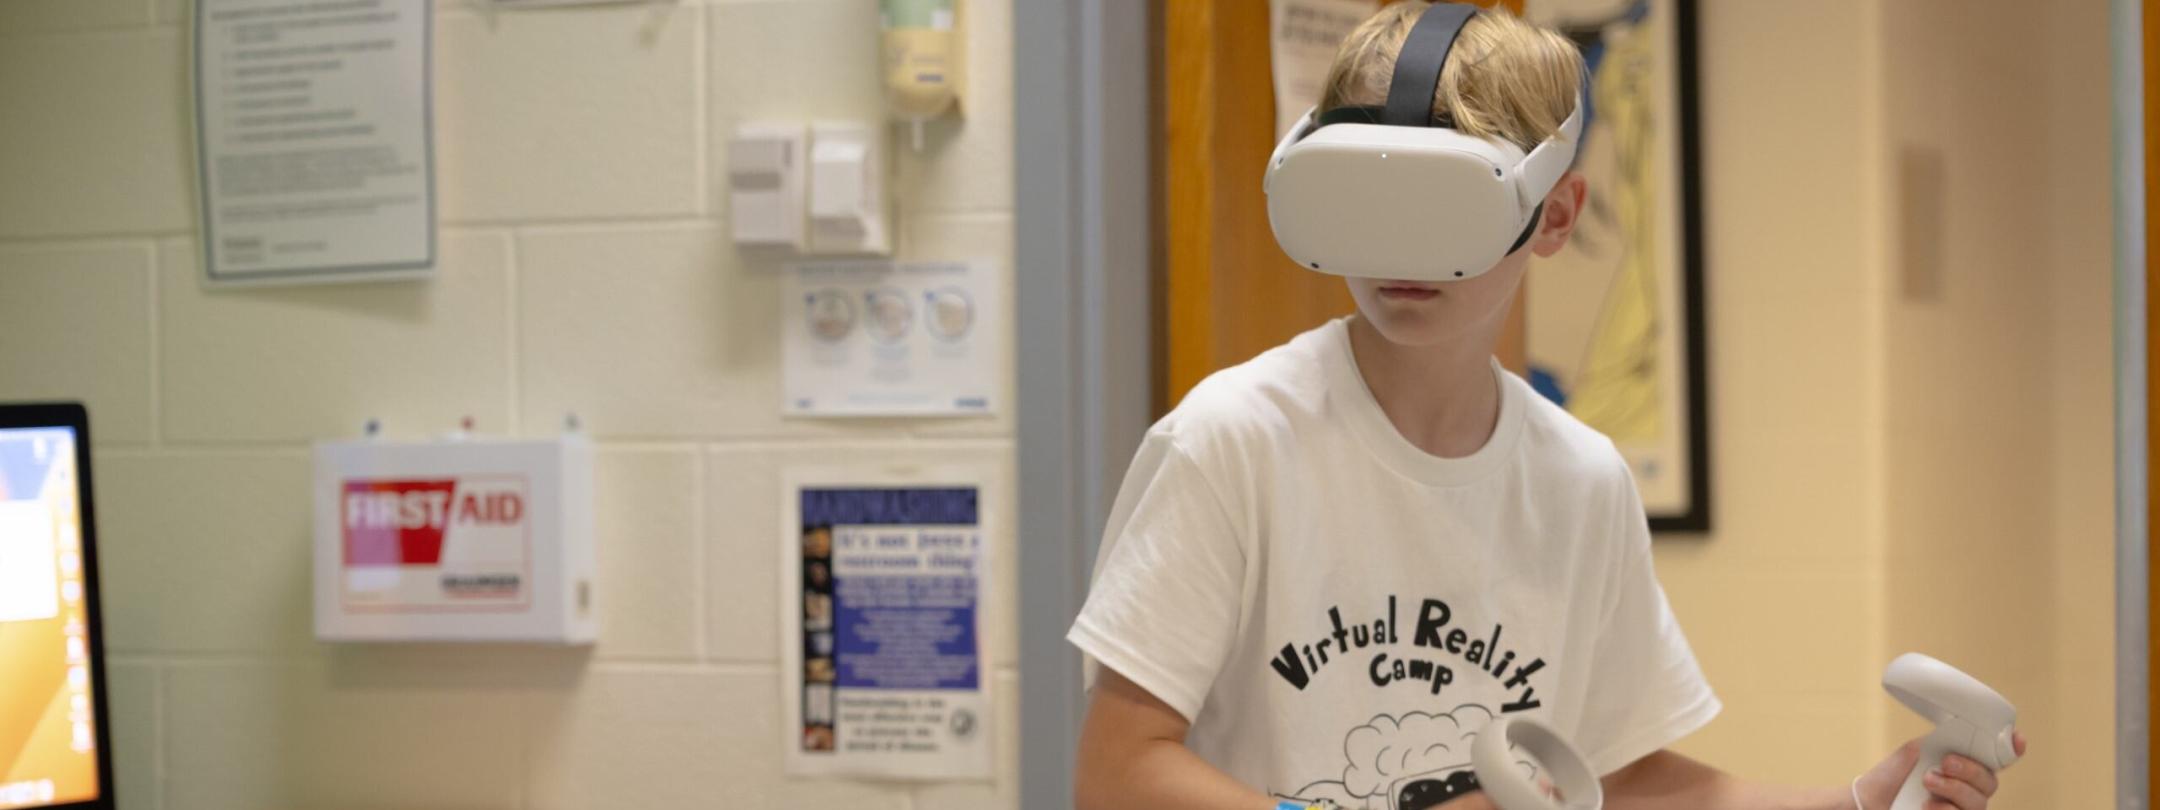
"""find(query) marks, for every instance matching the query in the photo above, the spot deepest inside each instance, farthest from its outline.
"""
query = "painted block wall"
(586, 268)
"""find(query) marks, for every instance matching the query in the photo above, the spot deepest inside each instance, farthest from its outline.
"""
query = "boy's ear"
(1563, 205)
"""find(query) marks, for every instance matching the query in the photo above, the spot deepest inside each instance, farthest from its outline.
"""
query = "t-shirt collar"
(1347, 389)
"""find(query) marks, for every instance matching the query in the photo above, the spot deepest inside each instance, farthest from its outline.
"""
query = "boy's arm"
(1665, 780)
(1133, 757)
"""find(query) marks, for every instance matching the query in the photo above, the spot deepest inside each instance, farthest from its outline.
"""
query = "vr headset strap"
(1542, 168)
(1417, 67)
(1348, 115)
(1524, 239)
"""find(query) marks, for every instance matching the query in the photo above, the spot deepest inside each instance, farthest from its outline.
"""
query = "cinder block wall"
(585, 267)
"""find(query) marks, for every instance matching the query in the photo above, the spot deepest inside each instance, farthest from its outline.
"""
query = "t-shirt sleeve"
(1647, 691)
(1164, 605)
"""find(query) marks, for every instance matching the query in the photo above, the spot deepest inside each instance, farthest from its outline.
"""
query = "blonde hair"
(1504, 78)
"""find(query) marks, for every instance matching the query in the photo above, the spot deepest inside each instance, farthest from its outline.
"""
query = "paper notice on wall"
(314, 152)
(1306, 35)
(882, 587)
(882, 338)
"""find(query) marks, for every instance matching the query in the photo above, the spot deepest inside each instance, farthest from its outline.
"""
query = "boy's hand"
(1474, 801)
(1962, 783)
(1478, 801)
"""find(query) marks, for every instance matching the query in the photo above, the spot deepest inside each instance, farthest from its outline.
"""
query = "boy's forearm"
(1733, 794)
(1160, 775)
(1665, 781)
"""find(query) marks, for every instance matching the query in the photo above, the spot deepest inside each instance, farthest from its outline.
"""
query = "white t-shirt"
(1337, 611)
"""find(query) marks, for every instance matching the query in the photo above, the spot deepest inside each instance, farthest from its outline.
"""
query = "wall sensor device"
(1970, 720)
(1507, 784)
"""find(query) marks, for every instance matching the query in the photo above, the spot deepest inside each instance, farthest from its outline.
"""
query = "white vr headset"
(1384, 192)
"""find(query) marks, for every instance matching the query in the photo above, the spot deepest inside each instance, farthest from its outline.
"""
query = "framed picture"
(1615, 321)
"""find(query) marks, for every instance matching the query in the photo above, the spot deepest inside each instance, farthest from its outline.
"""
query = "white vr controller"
(1509, 788)
(1970, 720)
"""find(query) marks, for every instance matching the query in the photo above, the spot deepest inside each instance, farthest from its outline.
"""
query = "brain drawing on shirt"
(1415, 761)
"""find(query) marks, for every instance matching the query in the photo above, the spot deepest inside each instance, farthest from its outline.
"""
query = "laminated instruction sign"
(882, 589)
(315, 144)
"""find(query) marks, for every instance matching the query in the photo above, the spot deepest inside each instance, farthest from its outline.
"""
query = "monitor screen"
(48, 725)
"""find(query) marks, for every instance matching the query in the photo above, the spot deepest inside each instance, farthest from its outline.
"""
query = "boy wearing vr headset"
(1332, 565)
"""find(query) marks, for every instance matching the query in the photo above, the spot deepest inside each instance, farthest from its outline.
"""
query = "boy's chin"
(1411, 329)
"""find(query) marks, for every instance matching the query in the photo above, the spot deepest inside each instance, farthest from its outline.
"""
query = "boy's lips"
(1408, 291)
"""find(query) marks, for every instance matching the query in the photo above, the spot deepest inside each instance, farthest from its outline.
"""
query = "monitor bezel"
(73, 416)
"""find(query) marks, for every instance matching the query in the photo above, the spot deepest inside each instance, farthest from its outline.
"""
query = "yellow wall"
(1907, 212)
(1779, 601)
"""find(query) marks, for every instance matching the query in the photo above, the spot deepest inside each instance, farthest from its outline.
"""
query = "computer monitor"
(55, 750)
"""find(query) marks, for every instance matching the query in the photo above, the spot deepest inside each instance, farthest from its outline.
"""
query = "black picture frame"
(1696, 518)
(1673, 252)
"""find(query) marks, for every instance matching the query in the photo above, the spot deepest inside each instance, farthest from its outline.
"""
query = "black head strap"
(1524, 239)
(1348, 115)
(1367, 115)
(1417, 67)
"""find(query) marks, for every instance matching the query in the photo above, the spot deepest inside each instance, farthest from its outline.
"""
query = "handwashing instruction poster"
(882, 583)
(883, 338)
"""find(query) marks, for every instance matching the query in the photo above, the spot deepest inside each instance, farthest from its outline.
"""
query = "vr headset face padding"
(1385, 193)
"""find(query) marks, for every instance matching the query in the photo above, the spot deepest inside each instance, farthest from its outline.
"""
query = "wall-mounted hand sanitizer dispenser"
(459, 539)
(847, 189)
(923, 68)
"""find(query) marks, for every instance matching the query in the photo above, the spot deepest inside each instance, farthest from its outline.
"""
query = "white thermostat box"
(460, 539)
(766, 171)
